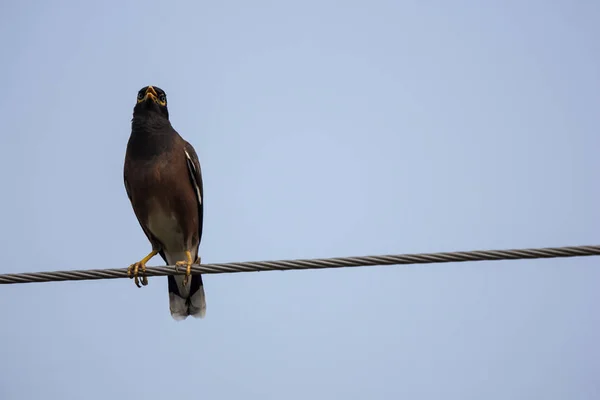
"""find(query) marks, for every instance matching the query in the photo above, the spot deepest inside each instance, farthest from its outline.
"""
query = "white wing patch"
(193, 167)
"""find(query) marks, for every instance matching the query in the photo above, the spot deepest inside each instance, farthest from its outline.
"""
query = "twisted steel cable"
(285, 265)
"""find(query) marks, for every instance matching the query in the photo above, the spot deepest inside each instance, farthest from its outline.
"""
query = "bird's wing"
(190, 300)
(195, 174)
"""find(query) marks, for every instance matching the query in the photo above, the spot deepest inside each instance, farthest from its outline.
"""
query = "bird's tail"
(186, 300)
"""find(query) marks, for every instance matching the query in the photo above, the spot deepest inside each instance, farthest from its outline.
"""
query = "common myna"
(163, 181)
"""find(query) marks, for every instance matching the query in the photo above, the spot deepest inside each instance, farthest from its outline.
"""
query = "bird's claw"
(133, 271)
(188, 270)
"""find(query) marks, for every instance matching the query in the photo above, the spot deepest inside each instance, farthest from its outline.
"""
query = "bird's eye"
(140, 95)
(163, 98)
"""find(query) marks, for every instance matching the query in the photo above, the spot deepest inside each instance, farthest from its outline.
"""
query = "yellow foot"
(188, 266)
(134, 269)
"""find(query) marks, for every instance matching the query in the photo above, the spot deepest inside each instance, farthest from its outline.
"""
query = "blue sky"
(324, 128)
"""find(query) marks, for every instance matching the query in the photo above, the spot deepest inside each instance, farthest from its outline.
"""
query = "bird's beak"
(151, 93)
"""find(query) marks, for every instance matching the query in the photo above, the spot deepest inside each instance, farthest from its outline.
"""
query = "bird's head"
(151, 99)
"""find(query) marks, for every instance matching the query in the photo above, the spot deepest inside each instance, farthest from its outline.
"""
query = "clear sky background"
(324, 128)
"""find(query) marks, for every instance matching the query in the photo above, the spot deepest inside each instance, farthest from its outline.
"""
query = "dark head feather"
(151, 101)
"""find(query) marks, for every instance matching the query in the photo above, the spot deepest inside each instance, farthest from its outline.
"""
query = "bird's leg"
(188, 266)
(134, 268)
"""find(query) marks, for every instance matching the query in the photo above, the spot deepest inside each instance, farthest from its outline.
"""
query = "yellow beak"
(150, 92)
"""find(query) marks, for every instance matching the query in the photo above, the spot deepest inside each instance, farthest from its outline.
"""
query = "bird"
(163, 181)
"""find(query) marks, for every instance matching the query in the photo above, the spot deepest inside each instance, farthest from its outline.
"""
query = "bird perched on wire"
(163, 181)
